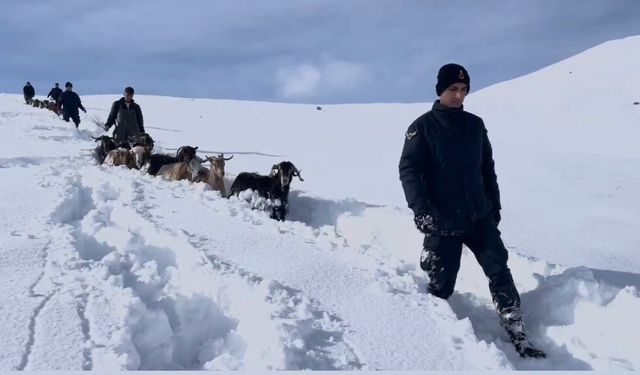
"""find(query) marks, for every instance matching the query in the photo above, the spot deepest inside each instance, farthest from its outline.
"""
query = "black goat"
(274, 187)
(106, 144)
(184, 154)
(144, 140)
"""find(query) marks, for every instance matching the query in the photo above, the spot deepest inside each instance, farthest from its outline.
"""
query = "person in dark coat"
(55, 93)
(29, 92)
(69, 104)
(449, 180)
(127, 117)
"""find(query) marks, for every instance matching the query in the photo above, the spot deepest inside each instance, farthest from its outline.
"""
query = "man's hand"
(84, 110)
(425, 223)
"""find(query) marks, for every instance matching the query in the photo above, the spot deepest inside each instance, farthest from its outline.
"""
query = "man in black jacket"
(448, 176)
(29, 92)
(69, 103)
(127, 116)
(55, 93)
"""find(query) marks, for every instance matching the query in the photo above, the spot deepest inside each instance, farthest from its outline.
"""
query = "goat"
(144, 140)
(274, 187)
(141, 145)
(214, 176)
(120, 156)
(140, 156)
(53, 106)
(156, 161)
(187, 170)
(133, 158)
(106, 144)
(36, 103)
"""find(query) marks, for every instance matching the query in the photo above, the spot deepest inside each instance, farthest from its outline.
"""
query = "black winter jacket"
(29, 91)
(120, 105)
(70, 102)
(447, 169)
(55, 93)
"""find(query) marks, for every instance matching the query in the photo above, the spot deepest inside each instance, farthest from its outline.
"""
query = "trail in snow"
(132, 272)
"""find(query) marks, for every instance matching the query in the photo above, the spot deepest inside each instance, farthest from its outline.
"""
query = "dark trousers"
(74, 116)
(441, 260)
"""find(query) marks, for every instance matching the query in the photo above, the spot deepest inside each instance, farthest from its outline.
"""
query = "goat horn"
(229, 158)
(297, 173)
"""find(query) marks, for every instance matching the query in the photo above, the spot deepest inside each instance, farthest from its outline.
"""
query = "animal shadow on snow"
(317, 212)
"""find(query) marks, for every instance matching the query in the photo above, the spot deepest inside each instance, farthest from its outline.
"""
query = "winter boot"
(507, 302)
(513, 324)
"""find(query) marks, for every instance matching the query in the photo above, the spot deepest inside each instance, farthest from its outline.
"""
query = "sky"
(314, 51)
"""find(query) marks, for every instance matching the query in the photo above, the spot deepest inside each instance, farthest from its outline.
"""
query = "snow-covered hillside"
(107, 268)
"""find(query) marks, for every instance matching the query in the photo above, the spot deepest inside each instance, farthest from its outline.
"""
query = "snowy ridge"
(111, 269)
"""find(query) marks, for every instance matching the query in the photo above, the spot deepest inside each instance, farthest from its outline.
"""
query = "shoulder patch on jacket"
(410, 134)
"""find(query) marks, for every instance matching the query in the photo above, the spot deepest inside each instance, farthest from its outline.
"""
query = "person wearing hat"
(29, 92)
(69, 104)
(127, 117)
(55, 93)
(449, 181)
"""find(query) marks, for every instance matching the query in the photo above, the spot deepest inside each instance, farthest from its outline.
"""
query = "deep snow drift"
(107, 269)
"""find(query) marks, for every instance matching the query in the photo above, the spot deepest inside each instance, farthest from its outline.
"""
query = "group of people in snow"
(68, 102)
(124, 112)
(448, 176)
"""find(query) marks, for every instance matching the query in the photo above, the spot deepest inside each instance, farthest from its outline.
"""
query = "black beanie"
(450, 74)
(68, 84)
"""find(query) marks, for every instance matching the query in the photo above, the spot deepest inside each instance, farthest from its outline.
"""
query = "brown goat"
(120, 156)
(214, 176)
(186, 170)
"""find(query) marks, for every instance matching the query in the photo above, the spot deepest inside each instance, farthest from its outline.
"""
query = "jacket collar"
(123, 102)
(449, 118)
(437, 106)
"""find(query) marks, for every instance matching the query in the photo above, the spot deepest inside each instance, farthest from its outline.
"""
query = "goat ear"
(275, 169)
(195, 148)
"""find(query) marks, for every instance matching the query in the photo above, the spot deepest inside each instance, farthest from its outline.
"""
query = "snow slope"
(110, 269)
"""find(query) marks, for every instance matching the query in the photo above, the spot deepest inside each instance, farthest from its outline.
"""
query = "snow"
(109, 269)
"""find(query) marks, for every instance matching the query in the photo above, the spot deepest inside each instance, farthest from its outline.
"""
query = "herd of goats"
(136, 153)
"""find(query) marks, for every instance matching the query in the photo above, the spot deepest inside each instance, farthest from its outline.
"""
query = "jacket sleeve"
(412, 164)
(489, 171)
(140, 119)
(50, 93)
(112, 115)
(80, 103)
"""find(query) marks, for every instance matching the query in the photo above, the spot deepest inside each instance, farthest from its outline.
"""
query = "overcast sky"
(307, 51)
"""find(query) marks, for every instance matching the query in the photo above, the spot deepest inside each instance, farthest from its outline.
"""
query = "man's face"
(128, 96)
(454, 95)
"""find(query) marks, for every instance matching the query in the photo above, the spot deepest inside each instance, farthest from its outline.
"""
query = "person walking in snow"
(69, 104)
(29, 92)
(127, 116)
(55, 93)
(449, 181)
